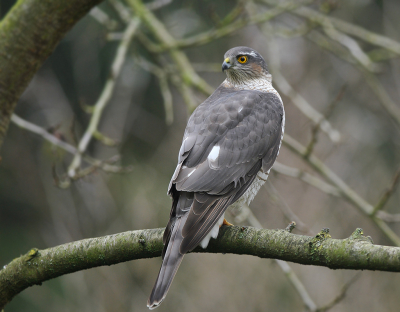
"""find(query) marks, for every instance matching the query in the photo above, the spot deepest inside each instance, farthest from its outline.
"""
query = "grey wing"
(225, 139)
(226, 142)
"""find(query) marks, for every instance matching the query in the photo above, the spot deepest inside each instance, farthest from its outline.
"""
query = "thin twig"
(345, 27)
(210, 35)
(285, 88)
(294, 32)
(157, 4)
(253, 19)
(24, 124)
(284, 207)
(388, 217)
(297, 284)
(188, 74)
(315, 129)
(103, 18)
(340, 296)
(104, 165)
(349, 194)
(124, 12)
(306, 177)
(352, 46)
(380, 55)
(183, 88)
(387, 103)
(164, 87)
(232, 15)
(245, 210)
(348, 28)
(386, 196)
(105, 95)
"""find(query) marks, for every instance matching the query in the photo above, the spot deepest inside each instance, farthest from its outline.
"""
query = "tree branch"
(28, 35)
(349, 194)
(356, 252)
(105, 95)
(283, 85)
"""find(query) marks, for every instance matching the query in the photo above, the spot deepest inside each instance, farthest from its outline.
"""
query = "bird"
(229, 145)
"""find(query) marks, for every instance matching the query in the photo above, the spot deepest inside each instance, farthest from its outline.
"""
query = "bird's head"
(242, 64)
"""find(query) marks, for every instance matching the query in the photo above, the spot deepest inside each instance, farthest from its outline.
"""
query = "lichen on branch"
(356, 252)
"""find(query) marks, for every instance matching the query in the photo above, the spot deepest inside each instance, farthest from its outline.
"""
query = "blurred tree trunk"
(29, 33)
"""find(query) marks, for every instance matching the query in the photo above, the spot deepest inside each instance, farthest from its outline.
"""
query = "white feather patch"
(213, 157)
(213, 233)
(214, 153)
(252, 53)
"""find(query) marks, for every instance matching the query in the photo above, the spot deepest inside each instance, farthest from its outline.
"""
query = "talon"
(226, 223)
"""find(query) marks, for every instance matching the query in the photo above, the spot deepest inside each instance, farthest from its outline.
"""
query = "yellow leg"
(226, 223)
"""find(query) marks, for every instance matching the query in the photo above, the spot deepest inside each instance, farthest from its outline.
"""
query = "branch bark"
(356, 252)
(28, 35)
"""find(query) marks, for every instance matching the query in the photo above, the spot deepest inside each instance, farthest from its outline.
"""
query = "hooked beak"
(226, 64)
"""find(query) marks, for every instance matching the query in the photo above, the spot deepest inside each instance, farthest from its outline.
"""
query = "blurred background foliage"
(338, 79)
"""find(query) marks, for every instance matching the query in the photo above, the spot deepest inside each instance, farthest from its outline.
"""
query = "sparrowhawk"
(230, 143)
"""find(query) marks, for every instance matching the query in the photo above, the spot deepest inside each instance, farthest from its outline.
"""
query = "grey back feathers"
(229, 138)
(225, 137)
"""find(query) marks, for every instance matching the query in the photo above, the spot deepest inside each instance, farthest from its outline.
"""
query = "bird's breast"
(253, 189)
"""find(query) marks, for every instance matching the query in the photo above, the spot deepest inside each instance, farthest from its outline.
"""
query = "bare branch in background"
(157, 4)
(24, 124)
(211, 35)
(162, 76)
(285, 88)
(180, 59)
(208, 36)
(356, 55)
(350, 195)
(388, 193)
(305, 177)
(103, 18)
(123, 11)
(244, 213)
(388, 217)
(297, 284)
(348, 28)
(341, 295)
(387, 103)
(63, 181)
(104, 97)
(286, 210)
(315, 129)
(352, 46)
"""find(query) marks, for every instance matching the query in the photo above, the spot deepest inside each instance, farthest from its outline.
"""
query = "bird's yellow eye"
(242, 59)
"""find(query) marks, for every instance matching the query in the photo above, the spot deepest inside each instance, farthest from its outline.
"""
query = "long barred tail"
(172, 260)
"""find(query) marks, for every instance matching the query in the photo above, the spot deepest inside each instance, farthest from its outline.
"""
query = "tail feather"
(172, 260)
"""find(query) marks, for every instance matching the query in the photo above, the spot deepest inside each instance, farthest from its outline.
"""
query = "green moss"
(317, 242)
(34, 252)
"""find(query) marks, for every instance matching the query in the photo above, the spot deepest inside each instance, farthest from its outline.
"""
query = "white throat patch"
(263, 84)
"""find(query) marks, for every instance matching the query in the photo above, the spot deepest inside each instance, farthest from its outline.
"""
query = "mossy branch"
(356, 252)
(28, 35)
